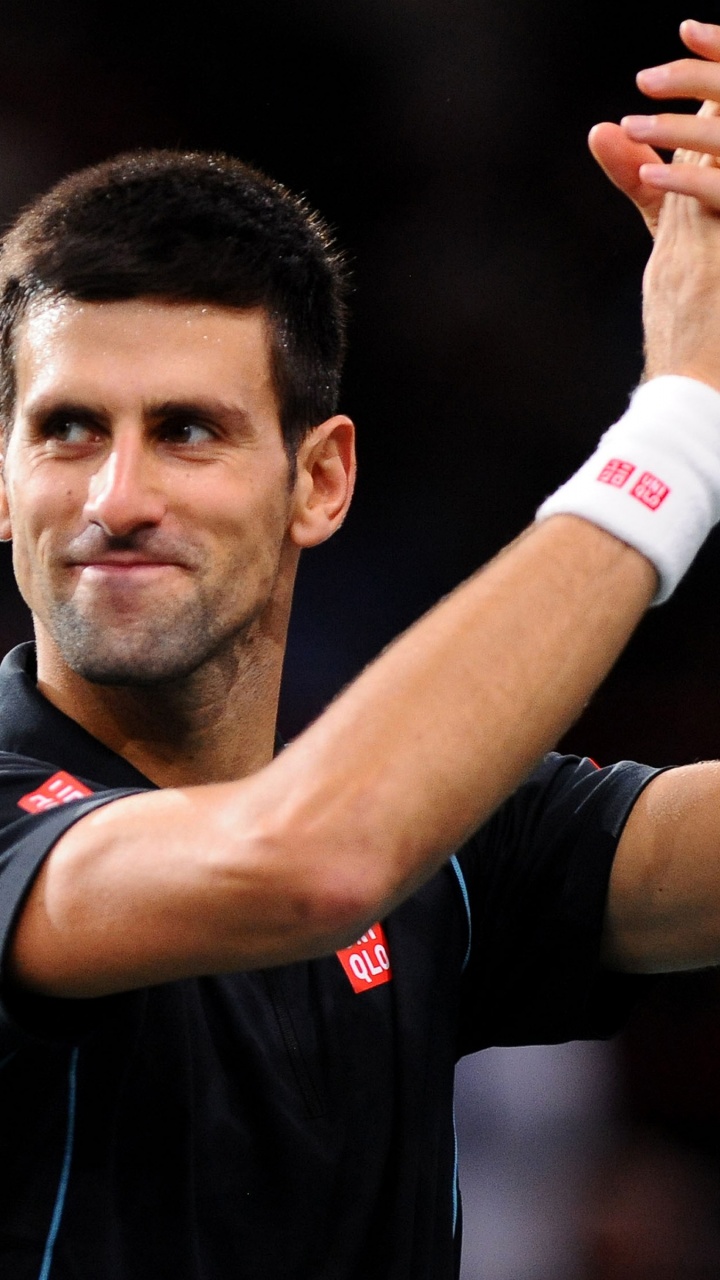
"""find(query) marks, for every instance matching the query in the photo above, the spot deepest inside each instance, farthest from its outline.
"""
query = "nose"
(124, 493)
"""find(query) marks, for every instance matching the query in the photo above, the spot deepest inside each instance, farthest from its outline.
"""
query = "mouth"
(132, 562)
(132, 566)
(125, 570)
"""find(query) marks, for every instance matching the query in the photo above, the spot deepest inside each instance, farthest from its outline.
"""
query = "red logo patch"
(650, 491)
(59, 789)
(367, 963)
(616, 472)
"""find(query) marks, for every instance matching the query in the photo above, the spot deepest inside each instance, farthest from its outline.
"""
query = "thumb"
(620, 158)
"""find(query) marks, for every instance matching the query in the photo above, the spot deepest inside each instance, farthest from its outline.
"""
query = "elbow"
(342, 905)
(328, 891)
(339, 900)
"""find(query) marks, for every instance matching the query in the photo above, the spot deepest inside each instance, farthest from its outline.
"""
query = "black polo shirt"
(294, 1123)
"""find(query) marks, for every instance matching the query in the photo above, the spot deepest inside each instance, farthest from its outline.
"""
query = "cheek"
(251, 534)
(254, 510)
(41, 516)
(23, 563)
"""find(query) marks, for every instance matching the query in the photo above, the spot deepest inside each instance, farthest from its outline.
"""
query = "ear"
(5, 530)
(324, 481)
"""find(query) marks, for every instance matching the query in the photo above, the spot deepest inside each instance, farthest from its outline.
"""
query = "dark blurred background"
(495, 334)
(495, 322)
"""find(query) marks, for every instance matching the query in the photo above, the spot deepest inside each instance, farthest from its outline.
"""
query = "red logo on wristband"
(650, 491)
(616, 472)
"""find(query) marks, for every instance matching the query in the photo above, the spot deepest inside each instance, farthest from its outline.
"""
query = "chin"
(171, 648)
(125, 671)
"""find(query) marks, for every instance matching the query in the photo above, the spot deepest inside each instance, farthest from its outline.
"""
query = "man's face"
(147, 484)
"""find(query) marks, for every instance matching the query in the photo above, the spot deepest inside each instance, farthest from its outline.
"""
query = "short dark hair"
(187, 226)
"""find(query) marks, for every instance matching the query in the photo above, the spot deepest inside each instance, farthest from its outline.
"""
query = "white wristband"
(654, 480)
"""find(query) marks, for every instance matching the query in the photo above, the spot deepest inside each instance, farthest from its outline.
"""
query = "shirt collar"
(31, 726)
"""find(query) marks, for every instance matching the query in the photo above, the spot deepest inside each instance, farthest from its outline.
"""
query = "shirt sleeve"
(536, 879)
(26, 838)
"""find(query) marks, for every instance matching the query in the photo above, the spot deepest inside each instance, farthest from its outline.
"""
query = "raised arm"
(367, 803)
(298, 859)
(664, 908)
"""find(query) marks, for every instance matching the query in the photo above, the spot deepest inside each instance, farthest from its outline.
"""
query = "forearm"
(450, 719)
(363, 806)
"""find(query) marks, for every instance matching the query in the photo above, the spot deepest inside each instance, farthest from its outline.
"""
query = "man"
(204, 1072)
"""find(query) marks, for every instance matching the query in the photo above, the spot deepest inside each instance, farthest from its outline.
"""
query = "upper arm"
(174, 883)
(663, 908)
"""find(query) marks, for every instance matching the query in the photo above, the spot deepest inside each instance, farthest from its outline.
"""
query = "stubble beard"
(170, 646)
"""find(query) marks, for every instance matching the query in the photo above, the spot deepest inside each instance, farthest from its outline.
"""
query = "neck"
(215, 725)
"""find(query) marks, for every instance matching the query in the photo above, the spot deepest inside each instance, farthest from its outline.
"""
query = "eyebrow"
(47, 405)
(205, 406)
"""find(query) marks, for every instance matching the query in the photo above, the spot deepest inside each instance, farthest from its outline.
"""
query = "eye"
(70, 430)
(186, 431)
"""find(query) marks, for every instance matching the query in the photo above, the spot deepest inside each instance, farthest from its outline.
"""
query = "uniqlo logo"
(59, 789)
(650, 491)
(616, 472)
(367, 963)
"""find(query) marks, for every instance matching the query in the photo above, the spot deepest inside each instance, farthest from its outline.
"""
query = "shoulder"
(563, 799)
(543, 861)
(537, 879)
(36, 785)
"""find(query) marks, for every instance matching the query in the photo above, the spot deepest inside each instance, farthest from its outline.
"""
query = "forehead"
(145, 346)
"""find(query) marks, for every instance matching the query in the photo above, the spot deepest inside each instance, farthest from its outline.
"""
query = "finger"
(699, 180)
(620, 158)
(694, 133)
(686, 78)
(702, 38)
